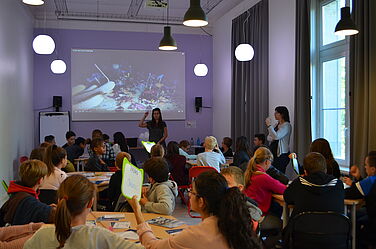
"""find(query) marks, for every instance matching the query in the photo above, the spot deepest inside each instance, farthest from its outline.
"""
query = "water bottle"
(192, 142)
(198, 141)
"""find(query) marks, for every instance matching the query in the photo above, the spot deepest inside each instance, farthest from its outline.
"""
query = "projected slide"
(123, 84)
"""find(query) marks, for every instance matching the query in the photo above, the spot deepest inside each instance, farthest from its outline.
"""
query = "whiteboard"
(54, 123)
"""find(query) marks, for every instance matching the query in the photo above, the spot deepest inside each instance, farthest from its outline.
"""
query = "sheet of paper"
(133, 178)
(114, 216)
(120, 225)
(148, 145)
(132, 235)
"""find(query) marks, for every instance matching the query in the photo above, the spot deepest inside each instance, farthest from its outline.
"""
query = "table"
(80, 162)
(222, 166)
(352, 203)
(100, 179)
(157, 230)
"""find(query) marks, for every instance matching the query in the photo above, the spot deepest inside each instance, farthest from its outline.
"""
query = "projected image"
(127, 87)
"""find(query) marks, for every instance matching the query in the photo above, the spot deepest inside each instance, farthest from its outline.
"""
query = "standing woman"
(279, 137)
(157, 127)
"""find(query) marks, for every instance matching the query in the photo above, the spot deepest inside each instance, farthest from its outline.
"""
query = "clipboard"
(132, 181)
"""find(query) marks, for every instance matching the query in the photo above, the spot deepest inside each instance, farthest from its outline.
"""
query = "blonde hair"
(120, 158)
(31, 172)
(74, 194)
(157, 151)
(261, 155)
(210, 142)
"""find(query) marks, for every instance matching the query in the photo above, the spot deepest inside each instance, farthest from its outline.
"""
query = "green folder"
(133, 179)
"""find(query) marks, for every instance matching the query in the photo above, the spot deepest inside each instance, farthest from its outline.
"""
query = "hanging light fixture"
(58, 67)
(33, 2)
(346, 25)
(167, 42)
(195, 15)
(200, 70)
(244, 51)
(43, 44)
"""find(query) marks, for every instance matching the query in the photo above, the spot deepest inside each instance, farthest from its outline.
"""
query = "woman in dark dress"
(157, 127)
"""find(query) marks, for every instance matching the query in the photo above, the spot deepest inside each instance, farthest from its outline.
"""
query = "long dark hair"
(242, 144)
(322, 146)
(54, 155)
(172, 149)
(153, 121)
(229, 206)
(74, 194)
(119, 139)
(284, 112)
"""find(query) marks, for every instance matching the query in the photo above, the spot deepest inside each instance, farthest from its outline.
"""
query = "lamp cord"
(246, 19)
(168, 8)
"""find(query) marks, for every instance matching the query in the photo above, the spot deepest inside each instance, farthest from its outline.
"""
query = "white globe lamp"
(43, 44)
(33, 2)
(58, 67)
(200, 70)
(244, 52)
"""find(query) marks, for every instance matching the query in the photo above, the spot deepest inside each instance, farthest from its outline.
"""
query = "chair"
(23, 159)
(324, 230)
(48, 196)
(193, 173)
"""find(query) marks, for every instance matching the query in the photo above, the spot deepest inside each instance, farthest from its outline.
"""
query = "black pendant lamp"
(195, 15)
(167, 42)
(346, 25)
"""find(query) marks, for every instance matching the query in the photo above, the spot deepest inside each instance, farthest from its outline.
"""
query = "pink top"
(204, 235)
(15, 236)
(261, 189)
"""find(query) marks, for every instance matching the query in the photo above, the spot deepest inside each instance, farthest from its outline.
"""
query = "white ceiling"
(132, 11)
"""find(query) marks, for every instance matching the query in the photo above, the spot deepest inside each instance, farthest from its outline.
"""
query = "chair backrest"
(322, 230)
(23, 159)
(48, 196)
(197, 170)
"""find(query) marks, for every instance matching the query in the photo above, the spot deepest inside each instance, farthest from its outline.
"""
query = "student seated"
(14, 237)
(108, 155)
(114, 187)
(242, 153)
(95, 162)
(212, 156)
(23, 205)
(355, 175)
(259, 141)
(70, 136)
(157, 150)
(38, 154)
(184, 147)
(260, 187)
(76, 150)
(56, 159)
(316, 190)
(160, 196)
(226, 147)
(50, 140)
(322, 146)
(177, 164)
(76, 197)
(226, 222)
(366, 189)
(235, 178)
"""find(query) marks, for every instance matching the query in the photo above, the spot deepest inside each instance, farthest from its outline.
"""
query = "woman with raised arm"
(157, 127)
(279, 137)
(226, 221)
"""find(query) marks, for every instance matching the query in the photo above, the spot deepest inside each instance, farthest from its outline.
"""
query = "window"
(330, 87)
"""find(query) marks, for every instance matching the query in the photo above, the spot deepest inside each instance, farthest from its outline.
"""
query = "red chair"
(193, 173)
(113, 169)
(180, 190)
(23, 159)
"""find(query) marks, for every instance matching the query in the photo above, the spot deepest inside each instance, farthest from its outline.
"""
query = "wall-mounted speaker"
(57, 102)
(198, 103)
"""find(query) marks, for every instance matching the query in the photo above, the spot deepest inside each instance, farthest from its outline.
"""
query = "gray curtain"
(363, 81)
(250, 80)
(302, 121)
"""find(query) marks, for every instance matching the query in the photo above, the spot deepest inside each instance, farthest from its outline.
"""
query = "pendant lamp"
(244, 51)
(346, 25)
(200, 70)
(43, 44)
(58, 67)
(33, 2)
(167, 42)
(195, 15)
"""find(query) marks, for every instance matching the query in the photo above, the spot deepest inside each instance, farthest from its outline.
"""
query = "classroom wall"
(16, 82)
(196, 48)
(281, 61)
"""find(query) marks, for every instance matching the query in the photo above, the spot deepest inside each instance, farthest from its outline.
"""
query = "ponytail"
(229, 206)
(54, 156)
(74, 194)
(235, 221)
(62, 222)
(261, 155)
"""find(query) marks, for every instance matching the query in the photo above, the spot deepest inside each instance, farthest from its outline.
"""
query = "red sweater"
(261, 189)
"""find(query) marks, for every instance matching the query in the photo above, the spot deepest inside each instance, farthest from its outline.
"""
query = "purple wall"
(196, 48)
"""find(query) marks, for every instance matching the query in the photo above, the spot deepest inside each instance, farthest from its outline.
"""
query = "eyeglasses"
(190, 191)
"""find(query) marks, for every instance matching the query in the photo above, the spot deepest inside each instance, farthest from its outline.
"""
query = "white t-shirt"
(88, 237)
(54, 180)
